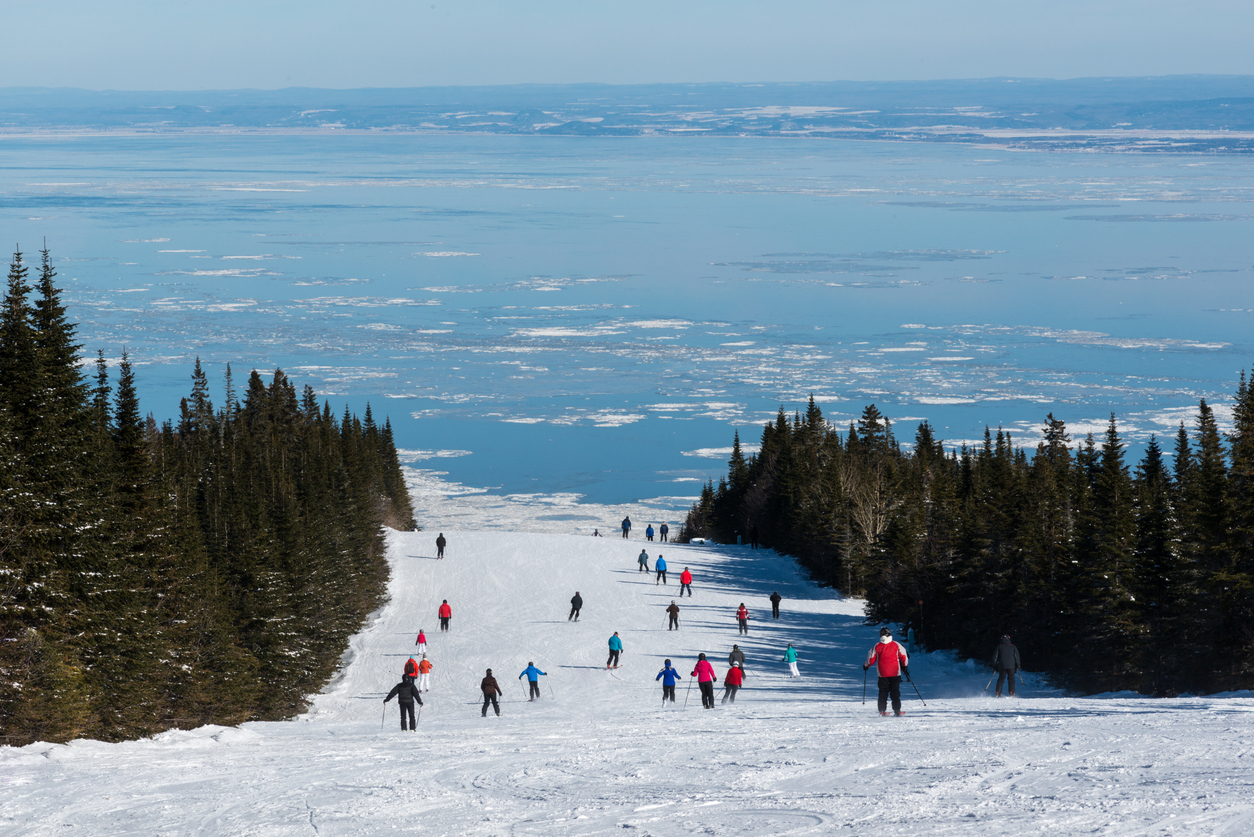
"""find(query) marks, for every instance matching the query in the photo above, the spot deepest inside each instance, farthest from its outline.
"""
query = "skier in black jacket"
(1006, 664)
(406, 693)
(576, 605)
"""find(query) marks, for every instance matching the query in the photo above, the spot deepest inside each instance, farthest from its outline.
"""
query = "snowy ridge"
(599, 754)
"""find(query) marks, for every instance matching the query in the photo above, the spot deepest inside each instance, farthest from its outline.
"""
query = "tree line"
(1108, 576)
(208, 570)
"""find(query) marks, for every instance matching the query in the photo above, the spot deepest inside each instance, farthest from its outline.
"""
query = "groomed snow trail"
(599, 754)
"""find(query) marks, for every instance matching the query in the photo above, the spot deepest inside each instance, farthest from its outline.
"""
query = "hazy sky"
(190, 44)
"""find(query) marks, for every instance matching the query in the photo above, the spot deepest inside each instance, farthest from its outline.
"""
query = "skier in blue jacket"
(668, 676)
(660, 566)
(533, 675)
(616, 648)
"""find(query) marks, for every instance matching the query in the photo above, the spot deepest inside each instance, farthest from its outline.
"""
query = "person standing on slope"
(576, 605)
(663, 531)
(706, 678)
(643, 561)
(753, 537)
(626, 526)
(673, 610)
(648, 532)
(411, 669)
(668, 676)
(685, 582)
(660, 566)
(424, 674)
(421, 642)
(533, 675)
(445, 613)
(616, 648)
(736, 657)
(1006, 664)
(790, 657)
(732, 682)
(776, 598)
(742, 619)
(490, 689)
(440, 543)
(405, 693)
(890, 660)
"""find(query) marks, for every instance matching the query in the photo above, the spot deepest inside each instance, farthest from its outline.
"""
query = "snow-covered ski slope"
(599, 754)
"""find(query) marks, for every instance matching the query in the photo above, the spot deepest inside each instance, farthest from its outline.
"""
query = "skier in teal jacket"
(616, 648)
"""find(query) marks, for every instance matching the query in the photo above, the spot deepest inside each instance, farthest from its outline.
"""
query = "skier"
(706, 678)
(616, 648)
(439, 546)
(776, 598)
(648, 532)
(446, 613)
(424, 674)
(736, 657)
(421, 641)
(732, 682)
(626, 526)
(685, 582)
(411, 669)
(1006, 664)
(673, 610)
(890, 660)
(406, 693)
(790, 657)
(643, 561)
(660, 566)
(490, 690)
(663, 532)
(596, 533)
(668, 676)
(533, 678)
(576, 605)
(742, 619)
(753, 537)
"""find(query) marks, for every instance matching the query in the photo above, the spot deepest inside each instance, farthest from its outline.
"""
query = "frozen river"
(594, 316)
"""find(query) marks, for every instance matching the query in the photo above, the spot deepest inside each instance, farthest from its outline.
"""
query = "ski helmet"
(530, 663)
(885, 632)
(700, 656)
(489, 671)
(668, 662)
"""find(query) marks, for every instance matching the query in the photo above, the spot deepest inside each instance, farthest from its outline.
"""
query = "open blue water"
(588, 315)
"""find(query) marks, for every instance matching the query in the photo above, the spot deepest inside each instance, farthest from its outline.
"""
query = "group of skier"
(889, 657)
(663, 531)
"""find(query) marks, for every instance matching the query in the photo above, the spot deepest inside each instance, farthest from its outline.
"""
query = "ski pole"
(550, 685)
(864, 686)
(385, 715)
(989, 683)
(1021, 679)
(687, 692)
(916, 691)
(419, 712)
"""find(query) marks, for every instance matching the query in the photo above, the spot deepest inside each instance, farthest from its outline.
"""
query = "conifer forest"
(1107, 575)
(153, 576)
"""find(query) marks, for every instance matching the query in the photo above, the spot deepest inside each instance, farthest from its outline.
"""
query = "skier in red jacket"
(445, 613)
(732, 682)
(742, 619)
(891, 661)
(685, 582)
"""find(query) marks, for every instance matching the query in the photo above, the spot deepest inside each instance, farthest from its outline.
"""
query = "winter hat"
(1006, 637)
(734, 647)
(885, 632)
(530, 663)
(668, 662)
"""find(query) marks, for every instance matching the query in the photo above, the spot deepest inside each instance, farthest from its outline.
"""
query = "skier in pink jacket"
(706, 678)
